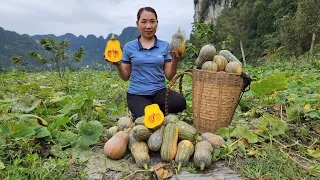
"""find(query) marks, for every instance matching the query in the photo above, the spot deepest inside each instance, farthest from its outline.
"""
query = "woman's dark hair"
(150, 9)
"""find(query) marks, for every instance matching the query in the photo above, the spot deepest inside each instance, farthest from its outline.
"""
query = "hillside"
(14, 44)
(94, 46)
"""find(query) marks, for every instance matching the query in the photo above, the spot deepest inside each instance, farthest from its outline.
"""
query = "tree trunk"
(242, 51)
(311, 48)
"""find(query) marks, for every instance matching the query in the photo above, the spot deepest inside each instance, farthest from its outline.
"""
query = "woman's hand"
(175, 56)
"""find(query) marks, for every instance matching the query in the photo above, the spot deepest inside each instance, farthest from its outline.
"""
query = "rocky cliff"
(207, 11)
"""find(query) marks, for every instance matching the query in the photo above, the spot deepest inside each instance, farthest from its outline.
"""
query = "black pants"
(137, 103)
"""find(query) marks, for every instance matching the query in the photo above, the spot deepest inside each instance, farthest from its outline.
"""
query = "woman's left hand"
(175, 56)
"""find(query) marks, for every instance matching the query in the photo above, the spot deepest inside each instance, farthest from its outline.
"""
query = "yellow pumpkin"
(113, 52)
(153, 116)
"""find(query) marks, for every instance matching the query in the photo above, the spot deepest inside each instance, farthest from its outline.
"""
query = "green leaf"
(224, 132)
(57, 151)
(89, 132)
(65, 138)
(274, 126)
(41, 132)
(59, 121)
(313, 114)
(23, 131)
(267, 86)
(241, 147)
(241, 131)
(2, 166)
(314, 152)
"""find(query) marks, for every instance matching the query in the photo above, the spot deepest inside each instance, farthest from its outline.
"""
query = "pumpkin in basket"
(234, 67)
(206, 53)
(221, 62)
(210, 65)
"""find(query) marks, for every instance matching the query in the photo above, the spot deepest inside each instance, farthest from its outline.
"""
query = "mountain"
(14, 44)
(94, 46)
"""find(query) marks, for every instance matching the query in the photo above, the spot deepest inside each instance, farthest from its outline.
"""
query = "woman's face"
(147, 24)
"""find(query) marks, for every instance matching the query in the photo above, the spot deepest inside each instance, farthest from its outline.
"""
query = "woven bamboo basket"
(215, 96)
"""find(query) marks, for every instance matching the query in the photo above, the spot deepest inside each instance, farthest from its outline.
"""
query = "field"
(49, 128)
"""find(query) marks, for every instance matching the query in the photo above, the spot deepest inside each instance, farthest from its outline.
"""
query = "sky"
(97, 17)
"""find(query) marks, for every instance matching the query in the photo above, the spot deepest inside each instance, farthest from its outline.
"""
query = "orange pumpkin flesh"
(153, 117)
(113, 51)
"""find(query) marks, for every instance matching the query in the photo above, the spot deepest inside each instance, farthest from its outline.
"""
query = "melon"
(210, 65)
(221, 62)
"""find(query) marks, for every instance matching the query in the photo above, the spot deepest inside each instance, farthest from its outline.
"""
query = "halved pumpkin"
(153, 116)
(113, 52)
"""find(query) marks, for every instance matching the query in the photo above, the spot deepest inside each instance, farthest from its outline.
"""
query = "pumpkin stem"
(112, 37)
(145, 166)
(179, 30)
(179, 166)
(202, 165)
(198, 137)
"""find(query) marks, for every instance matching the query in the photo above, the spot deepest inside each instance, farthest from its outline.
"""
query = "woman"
(147, 61)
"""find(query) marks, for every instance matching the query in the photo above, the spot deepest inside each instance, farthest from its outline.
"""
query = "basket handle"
(172, 83)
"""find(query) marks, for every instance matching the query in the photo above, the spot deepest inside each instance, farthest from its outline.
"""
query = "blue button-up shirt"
(147, 66)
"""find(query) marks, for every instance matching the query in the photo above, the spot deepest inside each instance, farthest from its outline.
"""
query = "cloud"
(98, 17)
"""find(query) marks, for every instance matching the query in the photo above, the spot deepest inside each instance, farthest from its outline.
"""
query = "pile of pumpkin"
(176, 140)
(223, 61)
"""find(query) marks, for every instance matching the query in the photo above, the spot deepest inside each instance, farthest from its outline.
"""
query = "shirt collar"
(156, 44)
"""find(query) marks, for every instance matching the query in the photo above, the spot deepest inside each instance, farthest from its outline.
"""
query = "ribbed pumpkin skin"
(124, 123)
(132, 140)
(187, 132)
(116, 147)
(155, 140)
(234, 67)
(169, 142)
(140, 153)
(111, 131)
(177, 42)
(210, 65)
(202, 154)
(170, 118)
(215, 140)
(141, 133)
(229, 56)
(139, 121)
(221, 62)
(207, 52)
(184, 152)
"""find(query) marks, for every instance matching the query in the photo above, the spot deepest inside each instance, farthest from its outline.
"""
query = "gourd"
(124, 123)
(139, 121)
(170, 118)
(116, 147)
(155, 140)
(229, 56)
(132, 140)
(207, 52)
(221, 62)
(141, 133)
(140, 153)
(169, 142)
(215, 140)
(111, 131)
(202, 154)
(210, 65)
(177, 42)
(184, 152)
(187, 132)
(153, 116)
(234, 67)
(113, 52)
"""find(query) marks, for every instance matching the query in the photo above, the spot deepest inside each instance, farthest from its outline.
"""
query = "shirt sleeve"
(167, 56)
(125, 56)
